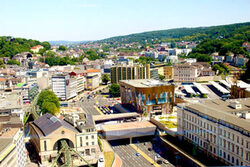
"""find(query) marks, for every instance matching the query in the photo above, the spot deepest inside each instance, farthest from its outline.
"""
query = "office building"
(147, 96)
(219, 128)
(64, 86)
(124, 72)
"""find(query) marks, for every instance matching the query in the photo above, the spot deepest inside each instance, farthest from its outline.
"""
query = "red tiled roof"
(35, 47)
(2, 79)
(92, 70)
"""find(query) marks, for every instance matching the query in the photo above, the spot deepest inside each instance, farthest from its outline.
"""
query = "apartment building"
(64, 86)
(185, 73)
(124, 72)
(12, 147)
(78, 130)
(219, 128)
(92, 82)
(147, 96)
(81, 81)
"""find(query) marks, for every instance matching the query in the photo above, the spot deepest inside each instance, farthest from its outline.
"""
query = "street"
(129, 158)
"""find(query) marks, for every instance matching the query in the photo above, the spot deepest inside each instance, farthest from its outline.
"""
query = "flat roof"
(225, 83)
(219, 87)
(221, 110)
(4, 142)
(189, 89)
(114, 116)
(201, 88)
(128, 125)
(145, 83)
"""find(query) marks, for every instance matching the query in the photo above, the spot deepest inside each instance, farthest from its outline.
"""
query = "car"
(159, 162)
(137, 154)
(165, 162)
(101, 159)
(149, 149)
(158, 156)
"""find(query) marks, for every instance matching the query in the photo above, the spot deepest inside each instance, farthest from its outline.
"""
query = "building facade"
(148, 97)
(12, 148)
(185, 73)
(219, 128)
(123, 72)
(64, 86)
(77, 130)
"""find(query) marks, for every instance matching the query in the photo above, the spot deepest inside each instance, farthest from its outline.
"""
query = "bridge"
(122, 117)
(128, 130)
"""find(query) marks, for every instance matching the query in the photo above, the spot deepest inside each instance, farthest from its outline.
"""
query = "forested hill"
(10, 46)
(186, 34)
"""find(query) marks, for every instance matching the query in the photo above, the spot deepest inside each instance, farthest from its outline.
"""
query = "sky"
(80, 20)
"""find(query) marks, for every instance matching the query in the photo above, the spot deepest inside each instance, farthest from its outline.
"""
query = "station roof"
(128, 126)
(225, 83)
(201, 88)
(189, 89)
(219, 87)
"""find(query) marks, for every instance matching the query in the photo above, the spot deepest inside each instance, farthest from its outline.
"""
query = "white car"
(101, 159)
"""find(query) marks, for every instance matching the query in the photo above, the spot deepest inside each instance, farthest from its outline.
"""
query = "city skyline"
(81, 20)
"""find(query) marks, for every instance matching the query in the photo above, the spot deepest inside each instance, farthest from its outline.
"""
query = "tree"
(47, 96)
(92, 55)
(114, 90)
(2, 64)
(105, 78)
(49, 107)
(246, 76)
(62, 48)
(42, 51)
(162, 77)
(46, 45)
(12, 62)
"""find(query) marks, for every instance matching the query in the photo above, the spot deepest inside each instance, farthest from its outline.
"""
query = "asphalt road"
(129, 158)
(88, 104)
(144, 147)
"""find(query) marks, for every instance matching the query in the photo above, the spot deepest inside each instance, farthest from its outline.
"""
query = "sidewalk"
(145, 155)
(117, 161)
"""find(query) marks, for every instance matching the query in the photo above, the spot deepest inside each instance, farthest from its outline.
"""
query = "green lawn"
(169, 124)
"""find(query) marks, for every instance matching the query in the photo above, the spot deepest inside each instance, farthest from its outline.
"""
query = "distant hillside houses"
(35, 49)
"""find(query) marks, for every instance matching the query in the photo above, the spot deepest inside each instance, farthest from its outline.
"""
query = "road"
(129, 158)
(144, 147)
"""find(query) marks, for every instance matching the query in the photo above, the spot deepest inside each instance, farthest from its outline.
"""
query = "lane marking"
(145, 155)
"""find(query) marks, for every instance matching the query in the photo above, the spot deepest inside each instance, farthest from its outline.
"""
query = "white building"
(219, 128)
(64, 86)
(12, 148)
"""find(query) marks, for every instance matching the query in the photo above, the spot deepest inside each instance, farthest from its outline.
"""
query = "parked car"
(137, 154)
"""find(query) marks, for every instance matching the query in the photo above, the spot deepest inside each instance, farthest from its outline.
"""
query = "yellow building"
(124, 72)
(166, 71)
(78, 130)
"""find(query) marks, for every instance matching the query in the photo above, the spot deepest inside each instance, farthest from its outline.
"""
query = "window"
(80, 141)
(214, 150)
(93, 136)
(233, 137)
(228, 157)
(93, 143)
(224, 155)
(232, 159)
(92, 150)
(87, 143)
(228, 135)
(87, 137)
(45, 145)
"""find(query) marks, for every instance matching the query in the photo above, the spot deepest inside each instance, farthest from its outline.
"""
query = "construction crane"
(67, 152)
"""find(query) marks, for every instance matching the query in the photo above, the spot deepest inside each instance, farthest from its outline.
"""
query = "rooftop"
(129, 125)
(144, 83)
(49, 123)
(222, 110)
